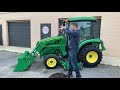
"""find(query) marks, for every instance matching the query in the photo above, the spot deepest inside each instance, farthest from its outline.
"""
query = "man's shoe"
(69, 76)
(78, 76)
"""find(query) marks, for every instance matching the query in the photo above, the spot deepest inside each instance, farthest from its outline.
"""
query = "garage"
(1, 42)
(19, 34)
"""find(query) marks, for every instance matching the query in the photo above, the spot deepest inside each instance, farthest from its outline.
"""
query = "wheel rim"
(92, 57)
(51, 62)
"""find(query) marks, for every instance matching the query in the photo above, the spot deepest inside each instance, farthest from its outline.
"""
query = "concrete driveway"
(8, 60)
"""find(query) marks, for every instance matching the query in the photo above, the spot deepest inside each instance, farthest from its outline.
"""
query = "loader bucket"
(24, 62)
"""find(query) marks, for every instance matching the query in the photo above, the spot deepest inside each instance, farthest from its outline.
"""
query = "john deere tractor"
(54, 50)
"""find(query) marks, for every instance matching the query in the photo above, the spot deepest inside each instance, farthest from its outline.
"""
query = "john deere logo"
(45, 30)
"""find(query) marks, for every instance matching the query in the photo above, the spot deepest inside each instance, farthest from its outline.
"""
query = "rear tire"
(90, 56)
(51, 61)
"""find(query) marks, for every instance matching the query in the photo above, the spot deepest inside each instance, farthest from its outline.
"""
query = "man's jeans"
(73, 62)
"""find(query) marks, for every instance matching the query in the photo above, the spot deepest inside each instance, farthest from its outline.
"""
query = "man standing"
(74, 34)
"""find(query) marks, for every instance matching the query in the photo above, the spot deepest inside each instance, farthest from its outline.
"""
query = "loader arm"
(42, 48)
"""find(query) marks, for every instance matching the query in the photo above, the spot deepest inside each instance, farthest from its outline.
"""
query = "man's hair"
(75, 24)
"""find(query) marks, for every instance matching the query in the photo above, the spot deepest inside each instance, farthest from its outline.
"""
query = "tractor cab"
(85, 25)
(88, 26)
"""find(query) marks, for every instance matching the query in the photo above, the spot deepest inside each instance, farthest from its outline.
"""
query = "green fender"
(97, 40)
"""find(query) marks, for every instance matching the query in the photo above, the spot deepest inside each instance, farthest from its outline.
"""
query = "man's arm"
(70, 32)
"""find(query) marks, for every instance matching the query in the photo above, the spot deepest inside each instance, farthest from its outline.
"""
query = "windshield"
(81, 25)
(84, 27)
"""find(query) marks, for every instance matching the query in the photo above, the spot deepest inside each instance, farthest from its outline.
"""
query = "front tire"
(51, 61)
(90, 56)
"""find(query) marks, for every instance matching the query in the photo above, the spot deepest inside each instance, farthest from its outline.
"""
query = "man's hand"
(62, 27)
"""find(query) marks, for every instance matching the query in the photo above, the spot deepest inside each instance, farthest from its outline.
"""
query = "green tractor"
(54, 50)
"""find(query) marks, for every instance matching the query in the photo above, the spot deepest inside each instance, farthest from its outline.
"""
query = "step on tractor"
(54, 50)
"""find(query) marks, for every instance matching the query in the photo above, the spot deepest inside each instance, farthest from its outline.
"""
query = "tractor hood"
(52, 40)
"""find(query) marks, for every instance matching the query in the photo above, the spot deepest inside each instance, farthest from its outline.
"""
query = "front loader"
(50, 49)
(54, 50)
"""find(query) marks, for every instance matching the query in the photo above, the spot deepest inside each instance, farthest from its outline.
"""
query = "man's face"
(73, 27)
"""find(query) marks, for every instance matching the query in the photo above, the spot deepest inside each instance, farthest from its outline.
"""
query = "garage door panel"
(14, 34)
(23, 31)
(20, 39)
(14, 40)
(19, 43)
(21, 25)
(19, 34)
(20, 30)
(1, 42)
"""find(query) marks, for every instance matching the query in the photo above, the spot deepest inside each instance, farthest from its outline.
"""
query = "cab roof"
(82, 18)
